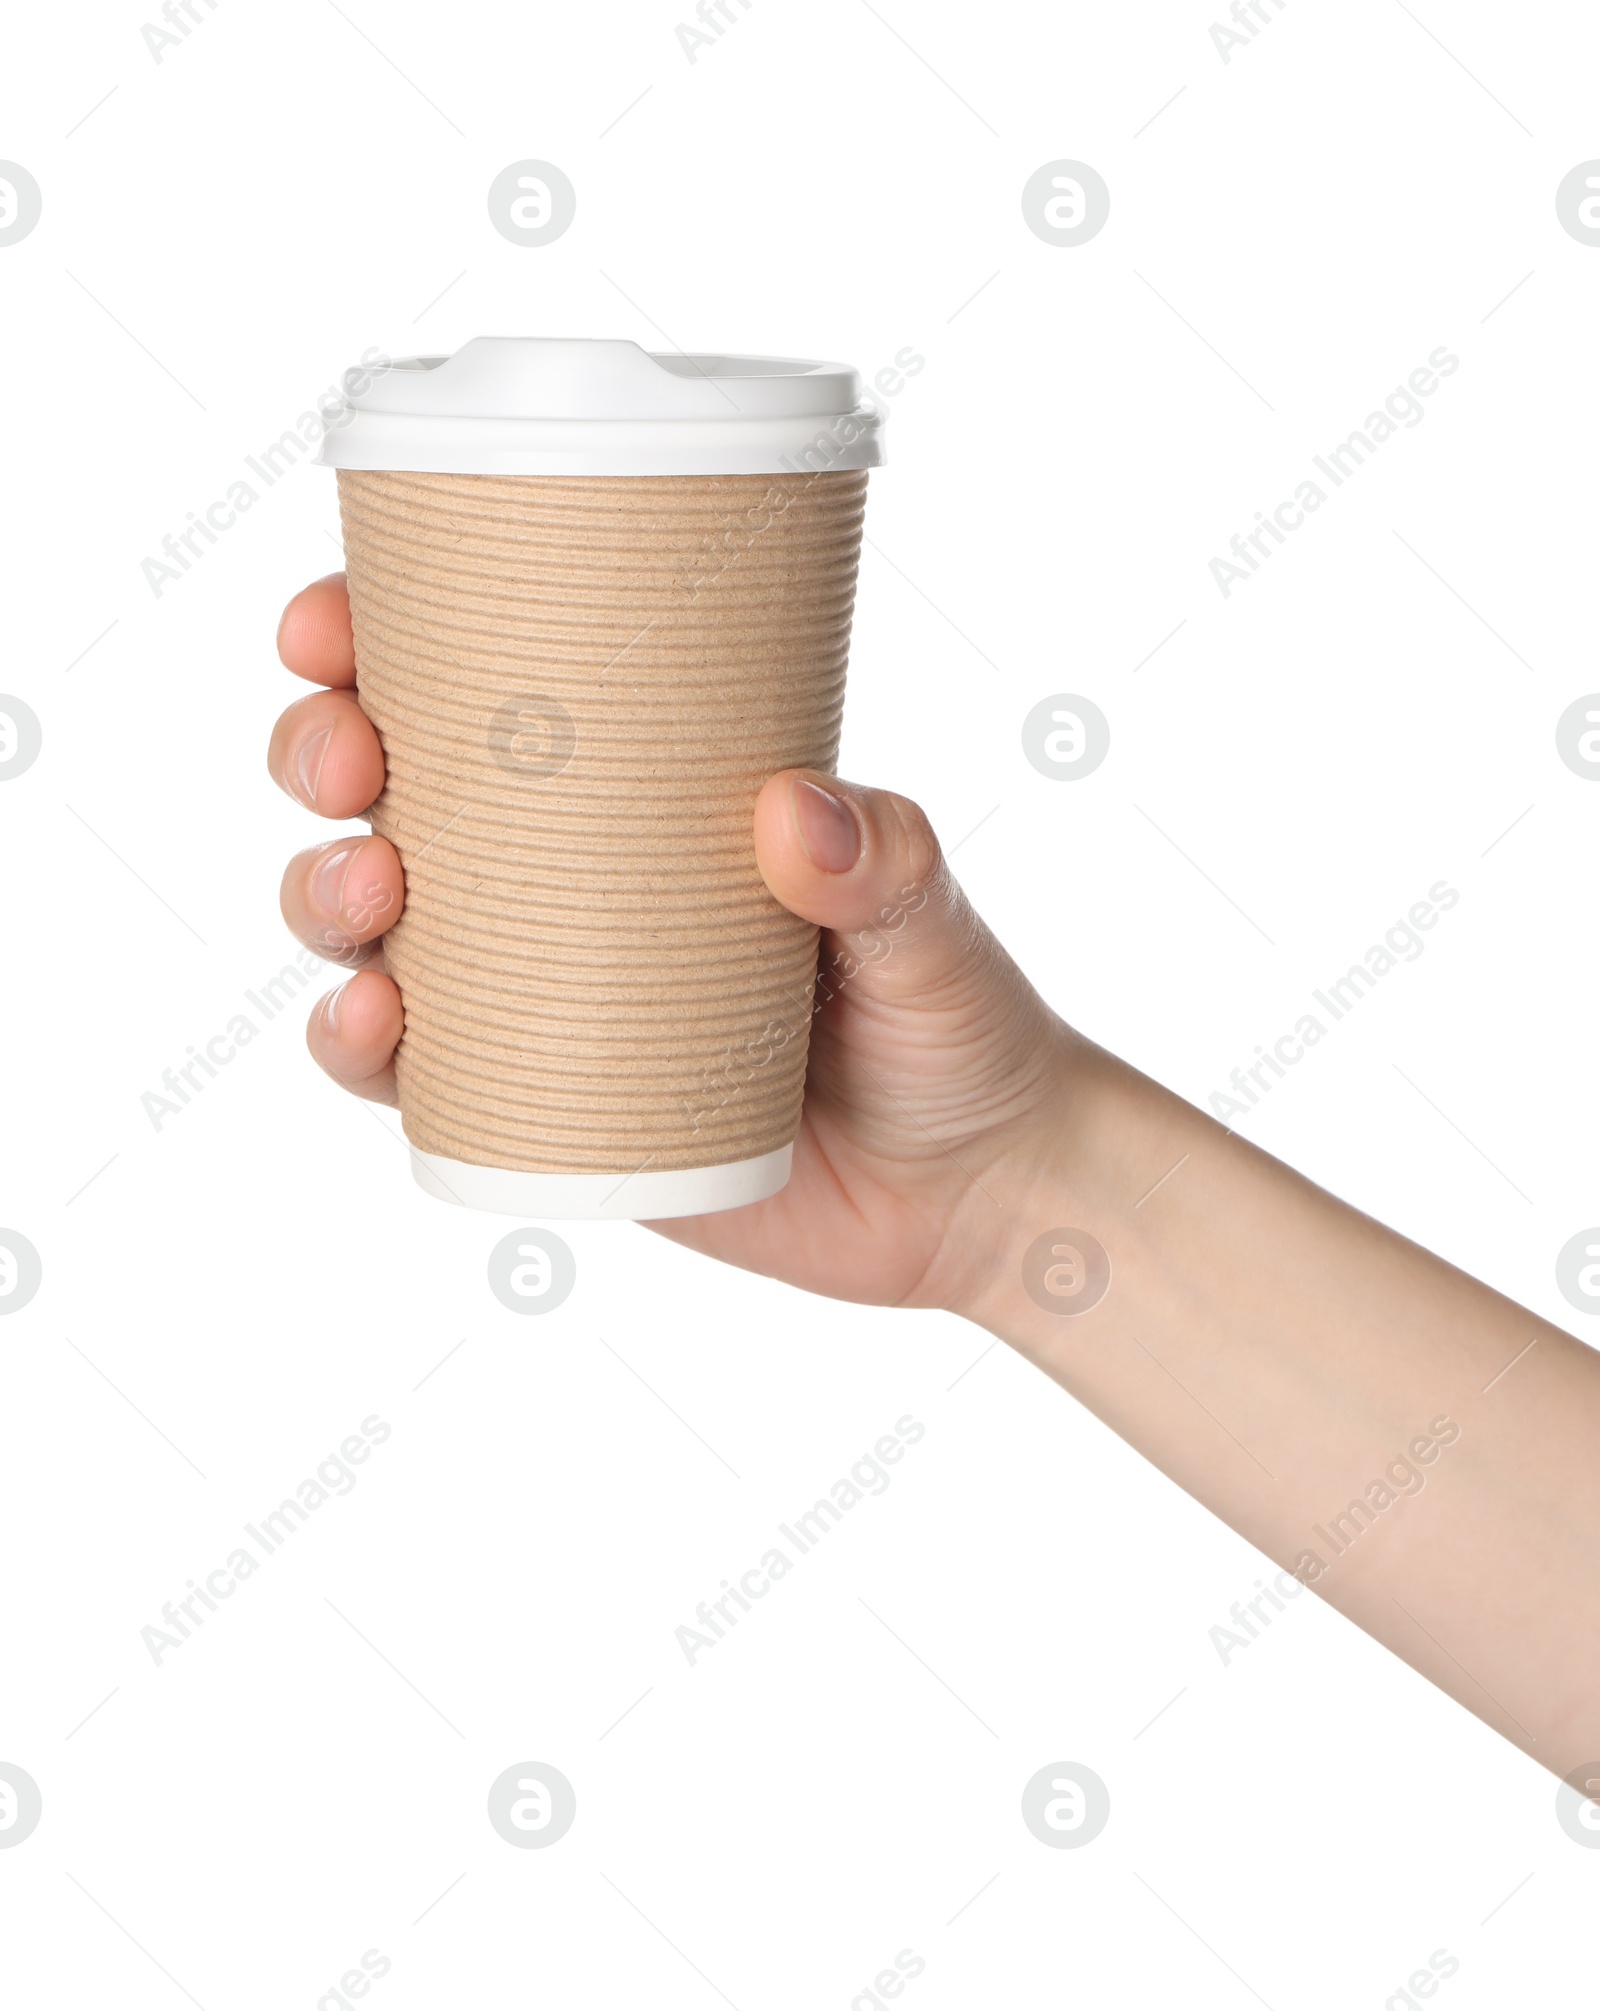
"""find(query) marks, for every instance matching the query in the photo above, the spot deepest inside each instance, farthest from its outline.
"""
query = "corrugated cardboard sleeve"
(581, 685)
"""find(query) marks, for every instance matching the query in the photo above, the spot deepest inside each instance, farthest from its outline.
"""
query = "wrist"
(1060, 1218)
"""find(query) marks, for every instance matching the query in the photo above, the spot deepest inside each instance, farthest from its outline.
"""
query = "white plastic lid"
(546, 405)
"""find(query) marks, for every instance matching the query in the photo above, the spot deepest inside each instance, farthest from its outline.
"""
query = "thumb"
(865, 865)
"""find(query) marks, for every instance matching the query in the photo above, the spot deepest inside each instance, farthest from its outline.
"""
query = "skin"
(1276, 1353)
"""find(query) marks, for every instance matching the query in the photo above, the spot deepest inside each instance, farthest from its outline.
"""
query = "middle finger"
(326, 754)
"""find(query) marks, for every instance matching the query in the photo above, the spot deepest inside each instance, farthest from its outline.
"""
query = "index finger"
(314, 639)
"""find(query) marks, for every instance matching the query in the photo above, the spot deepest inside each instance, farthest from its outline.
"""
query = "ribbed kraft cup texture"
(581, 685)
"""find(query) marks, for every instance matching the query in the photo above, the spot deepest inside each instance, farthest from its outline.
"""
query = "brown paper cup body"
(581, 685)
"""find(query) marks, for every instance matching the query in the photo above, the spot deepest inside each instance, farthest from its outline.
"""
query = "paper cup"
(598, 598)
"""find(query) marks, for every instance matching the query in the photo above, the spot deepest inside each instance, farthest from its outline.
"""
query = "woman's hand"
(1412, 1446)
(931, 1055)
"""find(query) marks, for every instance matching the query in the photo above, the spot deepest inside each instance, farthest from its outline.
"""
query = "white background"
(234, 1293)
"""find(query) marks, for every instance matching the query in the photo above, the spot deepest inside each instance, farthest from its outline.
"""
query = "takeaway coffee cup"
(599, 596)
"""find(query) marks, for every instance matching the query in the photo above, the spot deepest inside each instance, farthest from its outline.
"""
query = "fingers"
(314, 639)
(339, 898)
(352, 1034)
(326, 754)
(866, 865)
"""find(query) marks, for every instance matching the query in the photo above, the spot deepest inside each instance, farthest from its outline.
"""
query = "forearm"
(1416, 1448)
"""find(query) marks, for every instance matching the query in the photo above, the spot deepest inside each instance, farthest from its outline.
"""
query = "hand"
(1270, 1349)
(931, 1057)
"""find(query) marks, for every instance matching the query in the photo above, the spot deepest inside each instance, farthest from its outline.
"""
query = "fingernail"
(327, 882)
(330, 1013)
(828, 829)
(308, 764)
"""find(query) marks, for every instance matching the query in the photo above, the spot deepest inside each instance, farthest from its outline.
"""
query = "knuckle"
(922, 860)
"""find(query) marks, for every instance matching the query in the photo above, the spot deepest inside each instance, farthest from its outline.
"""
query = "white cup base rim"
(652, 1194)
